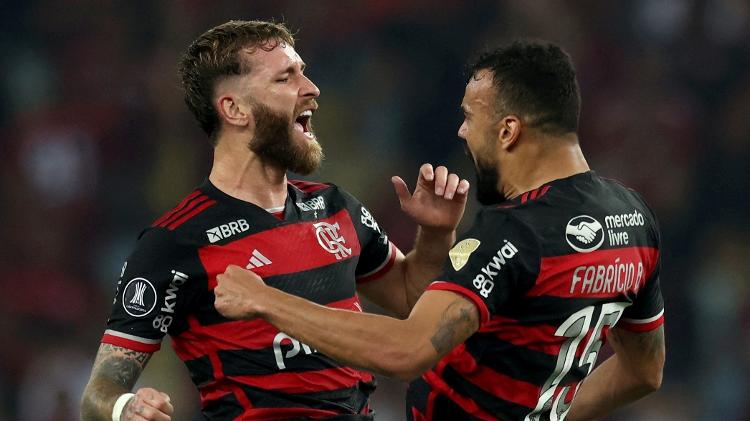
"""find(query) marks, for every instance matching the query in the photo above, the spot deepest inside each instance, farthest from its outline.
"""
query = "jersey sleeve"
(377, 252)
(495, 261)
(647, 311)
(153, 293)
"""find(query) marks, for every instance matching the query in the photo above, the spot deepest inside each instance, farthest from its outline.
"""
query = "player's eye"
(282, 80)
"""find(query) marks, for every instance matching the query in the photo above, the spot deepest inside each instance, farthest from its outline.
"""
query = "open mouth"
(302, 123)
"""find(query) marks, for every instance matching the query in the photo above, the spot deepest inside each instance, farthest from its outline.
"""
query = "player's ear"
(233, 111)
(509, 130)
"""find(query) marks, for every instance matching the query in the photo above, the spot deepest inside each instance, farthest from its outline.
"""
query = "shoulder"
(637, 200)
(620, 188)
(502, 231)
(492, 220)
(497, 230)
(192, 205)
(165, 235)
(156, 244)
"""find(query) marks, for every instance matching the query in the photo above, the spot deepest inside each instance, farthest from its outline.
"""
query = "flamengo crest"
(330, 239)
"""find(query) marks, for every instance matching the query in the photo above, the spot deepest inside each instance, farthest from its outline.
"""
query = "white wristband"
(120, 405)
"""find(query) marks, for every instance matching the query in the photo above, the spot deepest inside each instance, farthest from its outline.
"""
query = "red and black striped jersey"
(319, 249)
(550, 273)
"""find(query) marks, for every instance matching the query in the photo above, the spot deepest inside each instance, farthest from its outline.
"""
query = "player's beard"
(488, 178)
(274, 140)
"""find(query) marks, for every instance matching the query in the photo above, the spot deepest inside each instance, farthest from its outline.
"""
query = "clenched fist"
(148, 405)
(238, 293)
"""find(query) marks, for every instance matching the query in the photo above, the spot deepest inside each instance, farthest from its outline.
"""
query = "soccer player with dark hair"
(558, 261)
(246, 86)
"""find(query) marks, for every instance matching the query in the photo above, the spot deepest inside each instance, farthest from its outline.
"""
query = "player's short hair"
(216, 55)
(535, 80)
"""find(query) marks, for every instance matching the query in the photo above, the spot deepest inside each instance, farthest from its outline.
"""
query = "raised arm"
(402, 349)
(437, 205)
(115, 372)
(634, 371)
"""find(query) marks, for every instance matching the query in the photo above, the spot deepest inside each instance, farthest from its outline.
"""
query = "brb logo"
(330, 239)
(314, 204)
(297, 346)
(584, 234)
(227, 230)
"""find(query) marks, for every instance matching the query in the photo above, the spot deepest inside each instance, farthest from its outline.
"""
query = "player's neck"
(549, 160)
(242, 174)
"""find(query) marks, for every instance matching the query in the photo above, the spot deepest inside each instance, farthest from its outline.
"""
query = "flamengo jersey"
(248, 369)
(550, 272)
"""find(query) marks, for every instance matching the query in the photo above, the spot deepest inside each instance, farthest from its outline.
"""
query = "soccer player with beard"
(246, 85)
(558, 261)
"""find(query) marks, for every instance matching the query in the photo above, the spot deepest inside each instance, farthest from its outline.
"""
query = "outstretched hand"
(438, 201)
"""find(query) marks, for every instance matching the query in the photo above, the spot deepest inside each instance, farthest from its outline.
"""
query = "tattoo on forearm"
(115, 371)
(121, 365)
(458, 322)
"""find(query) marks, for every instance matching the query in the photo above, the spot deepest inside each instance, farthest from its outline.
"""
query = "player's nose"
(462, 131)
(309, 89)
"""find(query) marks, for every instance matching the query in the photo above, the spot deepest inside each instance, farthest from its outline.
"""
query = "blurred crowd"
(96, 143)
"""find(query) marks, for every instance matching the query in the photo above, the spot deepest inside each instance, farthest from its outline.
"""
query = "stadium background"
(96, 142)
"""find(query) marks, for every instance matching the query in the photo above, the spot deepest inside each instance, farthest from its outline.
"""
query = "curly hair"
(215, 55)
(535, 80)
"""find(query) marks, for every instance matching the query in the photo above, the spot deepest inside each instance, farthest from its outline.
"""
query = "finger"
(450, 186)
(145, 393)
(463, 187)
(147, 412)
(157, 410)
(153, 414)
(169, 410)
(168, 400)
(159, 402)
(402, 190)
(441, 177)
(148, 403)
(231, 269)
(426, 172)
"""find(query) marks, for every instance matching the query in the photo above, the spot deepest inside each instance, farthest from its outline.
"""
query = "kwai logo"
(485, 281)
(164, 320)
(584, 234)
